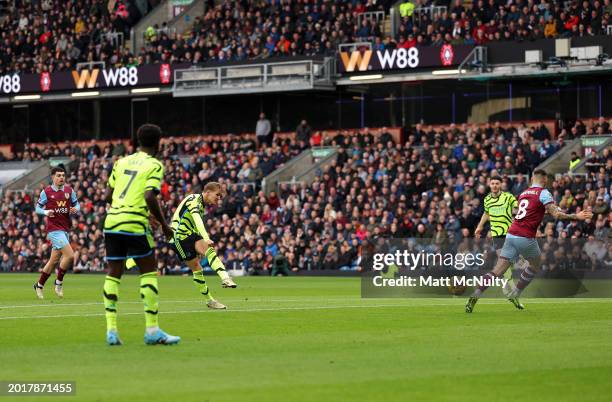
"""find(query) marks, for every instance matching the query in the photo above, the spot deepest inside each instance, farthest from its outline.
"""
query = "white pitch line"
(305, 299)
(242, 310)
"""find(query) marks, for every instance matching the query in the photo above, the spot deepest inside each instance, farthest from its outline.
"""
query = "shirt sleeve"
(154, 177)
(486, 205)
(74, 201)
(546, 197)
(112, 177)
(513, 201)
(42, 199)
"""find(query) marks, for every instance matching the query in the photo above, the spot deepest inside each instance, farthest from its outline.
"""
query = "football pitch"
(304, 339)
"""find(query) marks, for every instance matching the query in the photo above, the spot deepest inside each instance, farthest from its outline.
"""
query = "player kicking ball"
(132, 190)
(57, 202)
(533, 204)
(191, 241)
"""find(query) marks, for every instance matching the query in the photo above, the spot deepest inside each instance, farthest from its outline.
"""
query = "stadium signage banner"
(114, 78)
(402, 59)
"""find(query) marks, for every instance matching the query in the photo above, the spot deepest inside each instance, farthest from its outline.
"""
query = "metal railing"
(372, 16)
(166, 30)
(260, 77)
(90, 65)
(432, 10)
(351, 47)
(115, 38)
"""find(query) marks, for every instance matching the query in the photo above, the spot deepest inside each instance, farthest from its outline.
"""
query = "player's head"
(495, 182)
(149, 136)
(58, 176)
(213, 193)
(539, 177)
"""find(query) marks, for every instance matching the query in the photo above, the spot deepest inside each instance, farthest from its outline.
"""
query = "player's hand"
(584, 215)
(477, 232)
(73, 210)
(50, 213)
(168, 232)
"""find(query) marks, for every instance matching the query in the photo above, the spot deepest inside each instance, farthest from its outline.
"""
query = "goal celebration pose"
(57, 202)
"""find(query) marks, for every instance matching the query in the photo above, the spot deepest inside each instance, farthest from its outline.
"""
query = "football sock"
(215, 263)
(508, 273)
(60, 276)
(487, 278)
(200, 283)
(525, 279)
(43, 278)
(150, 297)
(111, 295)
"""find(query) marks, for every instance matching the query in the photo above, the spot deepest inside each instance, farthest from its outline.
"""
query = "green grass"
(305, 339)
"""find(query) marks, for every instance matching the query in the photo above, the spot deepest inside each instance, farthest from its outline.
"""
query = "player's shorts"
(185, 249)
(121, 246)
(498, 242)
(59, 239)
(514, 246)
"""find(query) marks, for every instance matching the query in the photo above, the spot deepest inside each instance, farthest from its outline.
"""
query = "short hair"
(496, 177)
(57, 169)
(540, 172)
(212, 186)
(149, 135)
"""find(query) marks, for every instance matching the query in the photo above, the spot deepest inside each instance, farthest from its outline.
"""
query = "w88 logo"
(10, 84)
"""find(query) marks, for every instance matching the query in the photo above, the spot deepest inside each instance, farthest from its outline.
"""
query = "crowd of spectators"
(54, 35)
(430, 186)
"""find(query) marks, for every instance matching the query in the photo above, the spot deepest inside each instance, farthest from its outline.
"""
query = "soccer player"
(57, 202)
(533, 203)
(132, 190)
(499, 207)
(191, 241)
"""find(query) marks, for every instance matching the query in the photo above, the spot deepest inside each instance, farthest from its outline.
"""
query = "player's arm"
(153, 204)
(40, 205)
(556, 213)
(108, 194)
(514, 205)
(152, 188)
(75, 207)
(483, 219)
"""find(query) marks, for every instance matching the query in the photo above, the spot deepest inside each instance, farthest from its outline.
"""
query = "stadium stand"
(432, 185)
(51, 37)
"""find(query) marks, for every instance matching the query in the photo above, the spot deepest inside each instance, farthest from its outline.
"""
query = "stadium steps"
(558, 163)
(481, 112)
(582, 167)
(304, 168)
(158, 15)
(23, 175)
(184, 21)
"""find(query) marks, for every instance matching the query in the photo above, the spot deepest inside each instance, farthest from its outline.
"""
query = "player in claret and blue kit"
(57, 202)
(533, 204)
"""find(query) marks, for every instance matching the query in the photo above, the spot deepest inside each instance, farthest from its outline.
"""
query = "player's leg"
(508, 254)
(200, 284)
(149, 293)
(66, 263)
(46, 272)
(111, 297)
(527, 274)
(116, 253)
(202, 248)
